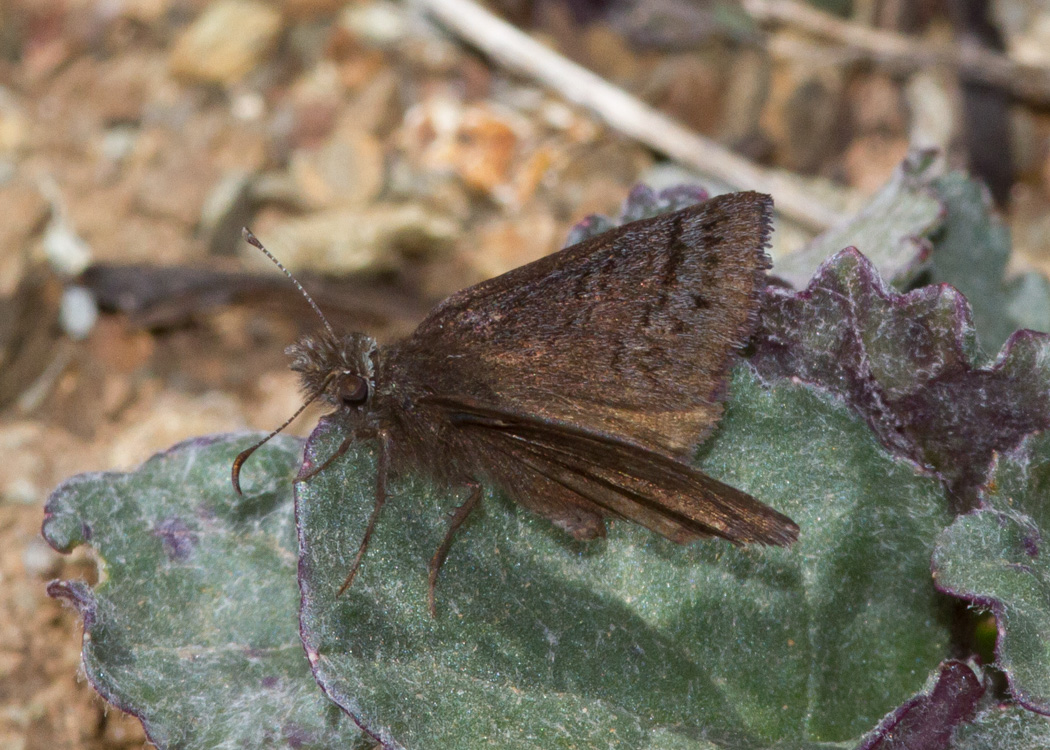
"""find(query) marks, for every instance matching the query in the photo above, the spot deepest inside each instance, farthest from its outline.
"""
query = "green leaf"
(928, 719)
(891, 230)
(994, 558)
(1004, 728)
(908, 364)
(971, 253)
(193, 627)
(634, 642)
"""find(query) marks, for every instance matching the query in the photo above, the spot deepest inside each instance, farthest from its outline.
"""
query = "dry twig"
(907, 54)
(623, 112)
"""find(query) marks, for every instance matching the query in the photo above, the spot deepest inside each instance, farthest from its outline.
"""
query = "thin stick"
(625, 113)
(904, 53)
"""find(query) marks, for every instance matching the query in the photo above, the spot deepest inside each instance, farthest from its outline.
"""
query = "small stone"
(800, 116)
(25, 211)
(689, 88)
(934, 117)
(871, 160)
(557, 115)
(1029, 141)
(1032, 44)
(14, 127)
(156, 424)
(377, 107)
(227, 208)
(749, 76)
(68, 254)
(348, 169)
(39, 560)
(120, 88)
(9, 662)
(119, 142)
(227, 41)
(248, 106)
(78, 312)
(381, 23)
(350, 240)
(478, 143)
(876, 104)
(145, 12)
(503, 244)
(175, 183)
(306, 9)
(608, 53)
(22, 491)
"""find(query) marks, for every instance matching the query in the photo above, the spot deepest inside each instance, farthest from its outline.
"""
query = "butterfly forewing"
(628, 333)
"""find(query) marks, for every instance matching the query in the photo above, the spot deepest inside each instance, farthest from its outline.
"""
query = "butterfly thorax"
(337, 369)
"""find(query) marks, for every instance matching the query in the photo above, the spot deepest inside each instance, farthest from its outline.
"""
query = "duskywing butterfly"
(579, 384)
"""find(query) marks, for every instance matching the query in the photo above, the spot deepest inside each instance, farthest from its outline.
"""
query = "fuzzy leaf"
(971, 253)
(892, 230)
(193, 627)
(994, 558)
(1004, 728)
(909, 364)
(633, 641)
(642, 203)
(926, 721)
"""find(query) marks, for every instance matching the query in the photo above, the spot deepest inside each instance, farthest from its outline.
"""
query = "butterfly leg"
(382, 469)
(438, 559)
(343, 447)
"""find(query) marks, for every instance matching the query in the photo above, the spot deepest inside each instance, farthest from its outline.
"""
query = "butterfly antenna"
(252, 240)
(243, 456)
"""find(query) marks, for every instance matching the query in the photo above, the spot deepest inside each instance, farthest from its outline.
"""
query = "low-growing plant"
(868, 407)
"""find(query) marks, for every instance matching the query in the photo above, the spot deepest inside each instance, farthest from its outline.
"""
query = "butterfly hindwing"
(610, 477)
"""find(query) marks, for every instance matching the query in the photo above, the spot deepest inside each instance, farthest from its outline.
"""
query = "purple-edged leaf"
(1004, 728)
(927, 720)
(992, 559)
(893, 230)
(642, 203)
(908, 364)
(633, 641)
(971, 253)
(996, 558)
(193, 628)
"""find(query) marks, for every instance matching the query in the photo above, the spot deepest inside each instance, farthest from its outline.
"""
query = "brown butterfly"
(579, 384)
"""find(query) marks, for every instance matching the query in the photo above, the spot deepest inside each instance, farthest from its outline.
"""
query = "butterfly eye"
(354, 391)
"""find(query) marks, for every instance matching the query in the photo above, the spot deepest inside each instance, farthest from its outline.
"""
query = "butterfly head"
(338, 369)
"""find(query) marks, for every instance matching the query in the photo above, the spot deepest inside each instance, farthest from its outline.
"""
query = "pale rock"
(350, 240)
(169, 419)
(39, 560)
(934, 111)
(1026, 26)
(479, 143)
(78, 312)
(67, 253)
(226, 41)
(226, 209)
(347, 169)
(381, 23)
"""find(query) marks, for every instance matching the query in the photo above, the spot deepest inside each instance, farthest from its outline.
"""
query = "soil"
(382, 161)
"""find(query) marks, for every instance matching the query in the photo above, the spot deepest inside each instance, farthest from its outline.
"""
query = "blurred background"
(388, 163)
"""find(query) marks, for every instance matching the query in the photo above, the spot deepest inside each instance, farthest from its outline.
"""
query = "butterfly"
(579, 384)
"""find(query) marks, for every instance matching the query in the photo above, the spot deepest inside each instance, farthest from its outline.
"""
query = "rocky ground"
(387, 165)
